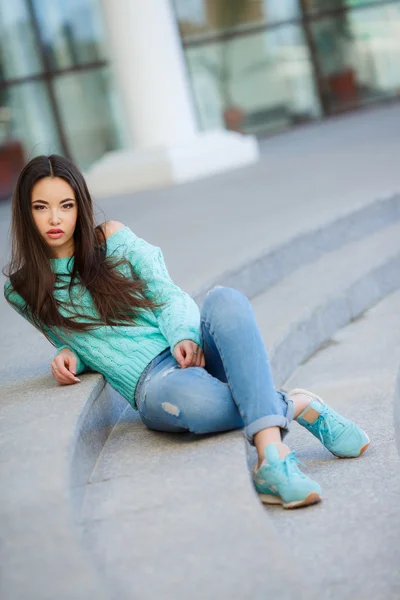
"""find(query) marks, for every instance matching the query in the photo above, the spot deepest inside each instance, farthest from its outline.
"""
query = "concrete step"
(174, 517)
(397, 412)
(305, 308)
(277, 261)
(351, 539)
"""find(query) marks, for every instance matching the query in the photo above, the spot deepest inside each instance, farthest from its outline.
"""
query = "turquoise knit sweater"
(122, 353)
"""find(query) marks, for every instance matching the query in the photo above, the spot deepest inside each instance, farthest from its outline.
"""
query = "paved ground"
(349, 543)
(143, 497)
(304, 179)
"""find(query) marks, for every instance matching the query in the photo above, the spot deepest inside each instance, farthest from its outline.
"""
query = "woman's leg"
(178, 400)
(234, 349)
(235, 390)
(235, 353)
(233, 345)
(200, 400)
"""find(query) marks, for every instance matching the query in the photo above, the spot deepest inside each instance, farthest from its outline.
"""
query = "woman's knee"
(225, 302)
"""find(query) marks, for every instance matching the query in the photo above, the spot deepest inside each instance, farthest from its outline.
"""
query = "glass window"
(71, 31)
(276, 11)
(204, 16)
(19, 55)
(81, 106)
(316, 6)
(191, 15)
(359, 55)
(5, 120)
(254, 83)
(31, 118)
(89, 114)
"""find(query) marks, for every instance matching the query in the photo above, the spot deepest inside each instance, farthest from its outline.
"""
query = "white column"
(145, 51)
(148, 62)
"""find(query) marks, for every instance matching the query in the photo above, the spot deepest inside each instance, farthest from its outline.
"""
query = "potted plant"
(333, 41)
(11, 155)
(229, 14)
(226, 16)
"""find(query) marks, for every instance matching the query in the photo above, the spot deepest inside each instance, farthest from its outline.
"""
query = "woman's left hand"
(189, 354)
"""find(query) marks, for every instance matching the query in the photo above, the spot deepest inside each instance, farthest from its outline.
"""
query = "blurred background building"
(67, 82)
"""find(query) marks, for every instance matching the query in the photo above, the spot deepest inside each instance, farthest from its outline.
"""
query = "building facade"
(282, 62)
(252, 66)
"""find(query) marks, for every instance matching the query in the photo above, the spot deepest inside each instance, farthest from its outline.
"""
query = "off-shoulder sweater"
(121, 353)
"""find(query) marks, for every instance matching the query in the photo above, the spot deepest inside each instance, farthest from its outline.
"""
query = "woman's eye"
(38, 207)
(69, 205)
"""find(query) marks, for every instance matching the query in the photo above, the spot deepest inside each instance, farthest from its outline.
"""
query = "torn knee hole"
(168, 371)
(216, 287)
(171, 409)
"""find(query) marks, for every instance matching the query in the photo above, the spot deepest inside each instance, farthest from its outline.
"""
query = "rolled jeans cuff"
(272, 421)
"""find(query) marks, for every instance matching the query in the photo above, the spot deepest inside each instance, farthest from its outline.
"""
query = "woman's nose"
(54, 218)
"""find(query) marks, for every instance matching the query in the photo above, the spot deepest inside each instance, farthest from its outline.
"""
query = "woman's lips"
(55, 235)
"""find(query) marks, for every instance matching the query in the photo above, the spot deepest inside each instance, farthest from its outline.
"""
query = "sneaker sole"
(363, 449)
(312, 498)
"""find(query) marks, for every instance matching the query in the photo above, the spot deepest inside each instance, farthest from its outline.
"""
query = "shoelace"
(323, 427)
(290, 462)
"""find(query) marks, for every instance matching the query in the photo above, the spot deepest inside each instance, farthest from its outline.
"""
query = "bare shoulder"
(110, 227)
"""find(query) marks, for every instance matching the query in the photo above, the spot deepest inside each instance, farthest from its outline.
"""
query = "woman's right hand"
(63, 367)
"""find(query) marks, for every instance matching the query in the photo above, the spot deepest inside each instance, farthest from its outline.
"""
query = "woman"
(104, 298)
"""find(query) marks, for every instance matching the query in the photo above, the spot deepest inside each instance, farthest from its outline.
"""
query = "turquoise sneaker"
(280, 481)
(342, 437)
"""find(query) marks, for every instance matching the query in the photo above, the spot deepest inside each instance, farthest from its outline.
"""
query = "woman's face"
(54, 207)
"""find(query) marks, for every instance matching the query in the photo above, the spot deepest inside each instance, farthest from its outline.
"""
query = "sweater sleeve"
(19, 305)
(179, 317)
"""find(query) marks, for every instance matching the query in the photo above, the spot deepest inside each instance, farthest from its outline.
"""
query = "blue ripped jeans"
(235, 389)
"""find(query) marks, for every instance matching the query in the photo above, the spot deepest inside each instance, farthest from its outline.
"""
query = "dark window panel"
(19, 53)
(71, 31)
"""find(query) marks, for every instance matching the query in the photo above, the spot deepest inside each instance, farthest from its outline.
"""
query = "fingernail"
(76, 379)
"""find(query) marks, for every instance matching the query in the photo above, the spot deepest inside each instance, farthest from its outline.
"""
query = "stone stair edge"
(254, 276)
(396, 411)
(317, 326)
(296, 294)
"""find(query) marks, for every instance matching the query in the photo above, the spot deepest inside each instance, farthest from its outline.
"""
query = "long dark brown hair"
(117, 298)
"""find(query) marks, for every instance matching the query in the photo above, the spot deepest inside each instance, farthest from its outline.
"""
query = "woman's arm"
(179, 317)
(19, 305)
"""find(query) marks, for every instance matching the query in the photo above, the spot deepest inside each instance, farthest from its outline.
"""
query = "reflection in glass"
(254, 83)
(359, 55)
(205, 16)
(70, 30)
(18, 51)
(318, 6)
(276, 11)
(32, 120)
(191, 15)
(88, 114)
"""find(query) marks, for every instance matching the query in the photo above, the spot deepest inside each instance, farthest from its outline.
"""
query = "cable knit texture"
(122, 353)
